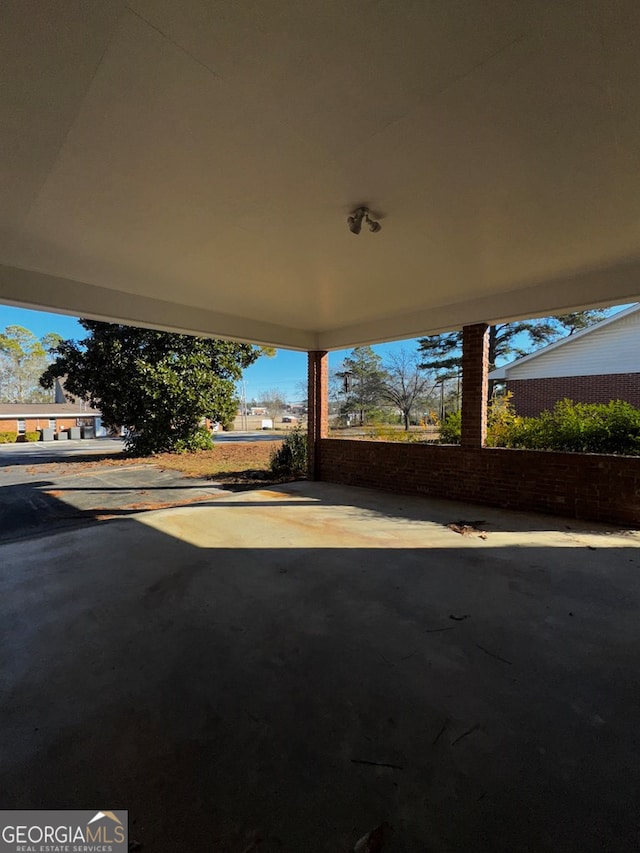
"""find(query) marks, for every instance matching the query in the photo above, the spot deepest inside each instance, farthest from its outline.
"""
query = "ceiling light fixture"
(355, 220)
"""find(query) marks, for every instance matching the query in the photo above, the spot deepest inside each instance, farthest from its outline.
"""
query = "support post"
(475, 384)
(318, 408)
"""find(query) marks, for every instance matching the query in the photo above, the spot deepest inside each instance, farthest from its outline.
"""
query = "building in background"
(52, 419)
(596, 365)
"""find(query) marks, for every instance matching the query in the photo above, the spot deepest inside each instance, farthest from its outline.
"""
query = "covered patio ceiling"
(191, 165)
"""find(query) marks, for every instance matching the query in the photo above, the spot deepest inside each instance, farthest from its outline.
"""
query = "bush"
(290, 459)
(388, 433)
(502, 421)
(451, 428)
(8, 437)
(32, 436)
(571, 427)
(580, 428)
(200, 440)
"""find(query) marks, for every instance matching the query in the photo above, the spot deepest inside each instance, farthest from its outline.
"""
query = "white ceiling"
(190, 165)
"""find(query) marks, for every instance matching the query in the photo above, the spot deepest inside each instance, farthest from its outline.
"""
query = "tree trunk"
(406, 420)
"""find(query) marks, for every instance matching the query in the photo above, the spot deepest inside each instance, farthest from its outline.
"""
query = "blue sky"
(286, 371)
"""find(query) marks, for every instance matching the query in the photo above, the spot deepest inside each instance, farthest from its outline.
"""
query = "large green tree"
(362, 376)
(23, 357)
(159, 385)
(443, 353)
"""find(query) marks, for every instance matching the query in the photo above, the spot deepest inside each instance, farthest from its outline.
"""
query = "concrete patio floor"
(285, 669)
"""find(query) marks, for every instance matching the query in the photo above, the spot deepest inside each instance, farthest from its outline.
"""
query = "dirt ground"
(238, 462)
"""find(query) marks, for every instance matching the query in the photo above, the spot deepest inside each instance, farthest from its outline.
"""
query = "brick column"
(475, 384)
(318, 418)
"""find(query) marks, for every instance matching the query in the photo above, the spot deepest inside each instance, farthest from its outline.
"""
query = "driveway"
(38, 497)
(286, 669)
(46, 486)
(56, 451)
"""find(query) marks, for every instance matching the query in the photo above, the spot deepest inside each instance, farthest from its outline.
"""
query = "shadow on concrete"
(38, 507)
(62, 489)
(478, 700)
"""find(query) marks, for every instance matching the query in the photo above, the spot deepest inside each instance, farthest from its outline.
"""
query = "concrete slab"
(299, 664)
(36, 500)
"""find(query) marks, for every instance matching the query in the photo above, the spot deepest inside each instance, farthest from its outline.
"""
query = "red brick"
(475, 371)
(602, 488)
(532, 396)
(318, 405)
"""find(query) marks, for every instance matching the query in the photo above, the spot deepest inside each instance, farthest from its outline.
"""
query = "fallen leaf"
(373, 841)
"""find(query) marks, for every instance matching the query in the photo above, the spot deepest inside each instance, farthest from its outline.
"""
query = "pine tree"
(443, 353)
(362, 377)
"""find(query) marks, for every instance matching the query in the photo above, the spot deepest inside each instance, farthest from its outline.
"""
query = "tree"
(362, 376)
(443, 353)
(302, 390)
(577, 320)
(405, 383)
(274, 402)
(337, 392)
(23, 357)
(159, 385)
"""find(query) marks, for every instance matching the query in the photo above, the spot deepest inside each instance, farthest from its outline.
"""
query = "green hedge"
(572, 427)
(451, 428)
(14, 437)
(580, 427)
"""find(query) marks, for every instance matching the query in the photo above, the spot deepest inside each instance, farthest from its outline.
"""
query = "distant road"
(57, 451)
(248, 436)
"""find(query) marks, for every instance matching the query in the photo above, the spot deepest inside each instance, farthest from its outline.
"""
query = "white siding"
(612, 349)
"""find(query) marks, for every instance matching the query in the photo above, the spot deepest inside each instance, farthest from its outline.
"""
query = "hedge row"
(13, 437)
(574, 427)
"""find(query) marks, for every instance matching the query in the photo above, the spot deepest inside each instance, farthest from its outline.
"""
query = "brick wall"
(34, 424)
(601, 488)
(318, 407)
(532, 396)
(475, 371)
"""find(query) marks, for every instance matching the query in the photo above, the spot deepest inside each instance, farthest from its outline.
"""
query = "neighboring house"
(596, 365)
(59, 416)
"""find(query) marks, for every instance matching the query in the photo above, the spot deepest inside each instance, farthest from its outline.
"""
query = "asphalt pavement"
(42, 498)
(29, 453)
(39, 497)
